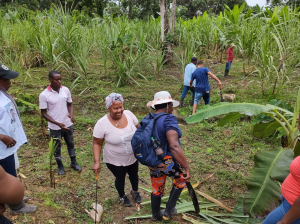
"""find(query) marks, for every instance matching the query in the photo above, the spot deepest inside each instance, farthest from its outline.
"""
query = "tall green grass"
(66, 40)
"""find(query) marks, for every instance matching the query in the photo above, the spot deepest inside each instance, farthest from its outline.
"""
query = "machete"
(221, 94)
(192, 195)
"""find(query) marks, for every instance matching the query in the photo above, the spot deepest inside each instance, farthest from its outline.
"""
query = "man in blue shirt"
(202, 85)
(189, 69)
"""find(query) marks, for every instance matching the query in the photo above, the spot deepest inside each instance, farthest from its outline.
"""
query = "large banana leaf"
(249, 109)
(297, 148)
(230, 118)
(239, 210)
(264, 130)
(263, 190)
(282, 167)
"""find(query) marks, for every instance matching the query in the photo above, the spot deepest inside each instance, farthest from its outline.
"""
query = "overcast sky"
(254, 2)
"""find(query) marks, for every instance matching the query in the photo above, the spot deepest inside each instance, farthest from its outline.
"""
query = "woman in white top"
(117, 128)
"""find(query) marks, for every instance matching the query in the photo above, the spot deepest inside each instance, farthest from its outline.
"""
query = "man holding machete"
(202, 84)
(174, 164)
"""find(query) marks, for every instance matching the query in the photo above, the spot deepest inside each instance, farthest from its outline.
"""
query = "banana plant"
(270, 166)
(283, 120)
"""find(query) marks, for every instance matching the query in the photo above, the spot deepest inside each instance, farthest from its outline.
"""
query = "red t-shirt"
(291, 186)
(229, 54)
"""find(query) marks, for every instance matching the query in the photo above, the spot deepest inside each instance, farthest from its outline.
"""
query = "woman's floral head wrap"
(112, 98)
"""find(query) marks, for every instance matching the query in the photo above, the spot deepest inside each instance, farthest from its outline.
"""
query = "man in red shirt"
(229, 59)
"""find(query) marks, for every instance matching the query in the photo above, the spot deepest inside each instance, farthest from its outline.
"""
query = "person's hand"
(280, 222)
(62, 126)
(226, 61)
(2, 209)
(8, 141)
(97, 167)
(186, 175)
(71, 118)
(220, 85)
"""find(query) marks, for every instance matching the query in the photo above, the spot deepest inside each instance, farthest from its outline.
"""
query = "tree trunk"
(162, 19)
(166, 29)
(173, 17)
(130, 10)
(100, 7)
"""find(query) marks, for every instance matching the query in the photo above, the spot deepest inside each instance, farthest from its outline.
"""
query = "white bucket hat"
(232, 45)
(162, 97)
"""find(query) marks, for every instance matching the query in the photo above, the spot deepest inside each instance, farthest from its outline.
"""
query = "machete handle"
(97, 176)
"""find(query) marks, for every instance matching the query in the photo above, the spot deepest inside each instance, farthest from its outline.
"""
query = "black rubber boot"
(192, 103)
(60, 167)
(226, 73)
(155, 206)
(170, 207)
(22, 208)
(181, 102)
(74, 164)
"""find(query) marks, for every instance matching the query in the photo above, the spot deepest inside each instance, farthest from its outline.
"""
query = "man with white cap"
(12, 134)
(174, 163)
(229, 59)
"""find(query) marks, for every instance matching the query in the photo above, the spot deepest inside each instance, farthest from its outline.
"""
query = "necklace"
(117, 123)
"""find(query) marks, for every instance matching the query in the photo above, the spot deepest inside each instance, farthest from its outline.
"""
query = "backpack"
(142, 148)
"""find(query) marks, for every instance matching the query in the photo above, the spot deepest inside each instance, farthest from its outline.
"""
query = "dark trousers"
(67, 135)
(4, 220)
(8, 164)
(120, 173)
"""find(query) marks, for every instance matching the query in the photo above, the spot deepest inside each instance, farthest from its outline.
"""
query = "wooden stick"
(215, 201)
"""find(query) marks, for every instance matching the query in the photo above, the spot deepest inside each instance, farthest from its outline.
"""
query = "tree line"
(140, 9)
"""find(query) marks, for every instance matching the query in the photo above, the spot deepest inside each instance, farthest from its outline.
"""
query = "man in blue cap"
(12, 134)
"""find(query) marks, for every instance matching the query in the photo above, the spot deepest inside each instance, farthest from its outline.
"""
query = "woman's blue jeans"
(277, 214)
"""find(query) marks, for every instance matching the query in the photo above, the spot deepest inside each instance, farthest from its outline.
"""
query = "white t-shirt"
(56, 105)
(117, 149)
(10, 125)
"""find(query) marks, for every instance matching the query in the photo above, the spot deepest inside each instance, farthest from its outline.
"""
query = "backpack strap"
(155, 132)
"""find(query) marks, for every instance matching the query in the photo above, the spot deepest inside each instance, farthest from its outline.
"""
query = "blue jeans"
(8, 164)
(204, 94)
(277, 214)
(228, 65)
(186, 90)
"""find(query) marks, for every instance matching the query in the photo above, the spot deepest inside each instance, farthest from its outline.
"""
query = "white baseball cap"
(161, 98)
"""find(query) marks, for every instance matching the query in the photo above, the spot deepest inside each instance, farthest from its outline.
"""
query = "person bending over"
(202, 85)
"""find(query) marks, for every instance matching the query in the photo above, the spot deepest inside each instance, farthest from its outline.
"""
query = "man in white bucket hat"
(161, 98)
(174, 163)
